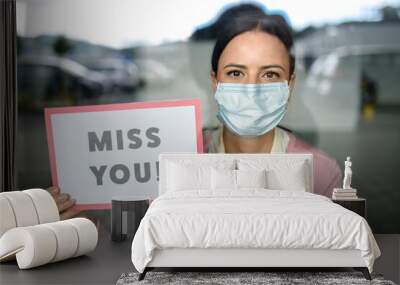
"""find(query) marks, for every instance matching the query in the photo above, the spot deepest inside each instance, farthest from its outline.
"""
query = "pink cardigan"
(327, 173)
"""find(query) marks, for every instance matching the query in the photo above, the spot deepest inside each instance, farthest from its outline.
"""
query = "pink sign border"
(48, 112)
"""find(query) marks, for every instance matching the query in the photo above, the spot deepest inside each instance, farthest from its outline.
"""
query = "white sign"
(98, 152)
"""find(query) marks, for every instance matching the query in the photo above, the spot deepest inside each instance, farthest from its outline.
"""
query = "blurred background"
(346, 99)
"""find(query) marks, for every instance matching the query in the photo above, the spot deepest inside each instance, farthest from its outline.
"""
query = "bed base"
(248, 259)
(364, 270)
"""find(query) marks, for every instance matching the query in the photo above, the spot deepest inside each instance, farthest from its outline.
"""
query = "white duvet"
(251, 218)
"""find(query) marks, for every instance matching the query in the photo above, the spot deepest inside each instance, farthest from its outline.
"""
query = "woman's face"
(253, 57)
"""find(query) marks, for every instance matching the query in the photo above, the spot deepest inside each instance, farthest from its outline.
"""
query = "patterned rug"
(269, 278)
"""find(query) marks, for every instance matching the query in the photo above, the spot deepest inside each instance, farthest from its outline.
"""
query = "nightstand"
(126, 214)
(358, 206)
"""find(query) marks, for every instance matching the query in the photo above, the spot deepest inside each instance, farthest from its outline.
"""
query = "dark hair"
(271, 24)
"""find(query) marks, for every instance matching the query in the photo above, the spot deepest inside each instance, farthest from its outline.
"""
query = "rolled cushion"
(7, 218)
(23, 208)
(26, 208)
(67, 240)
(41, 244)
(87, 234)
(33, 246)
(45, 205)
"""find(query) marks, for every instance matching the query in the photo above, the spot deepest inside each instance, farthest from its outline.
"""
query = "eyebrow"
(262, 67)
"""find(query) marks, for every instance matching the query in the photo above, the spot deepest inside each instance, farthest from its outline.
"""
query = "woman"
(253, 77)
(251, 64)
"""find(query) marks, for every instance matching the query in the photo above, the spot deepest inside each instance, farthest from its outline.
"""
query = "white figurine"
(347, 174)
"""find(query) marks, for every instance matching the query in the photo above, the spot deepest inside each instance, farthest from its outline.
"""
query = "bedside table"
(358, 206)
(126, 214)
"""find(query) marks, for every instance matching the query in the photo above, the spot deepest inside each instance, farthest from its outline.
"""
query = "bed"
(245, 211)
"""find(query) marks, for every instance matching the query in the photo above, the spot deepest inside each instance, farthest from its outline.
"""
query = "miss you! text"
(109, 140)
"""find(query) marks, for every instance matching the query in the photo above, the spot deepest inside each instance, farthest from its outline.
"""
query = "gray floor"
(389, 262)
(110, 260)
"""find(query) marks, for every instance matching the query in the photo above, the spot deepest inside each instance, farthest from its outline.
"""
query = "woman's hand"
(64, 203)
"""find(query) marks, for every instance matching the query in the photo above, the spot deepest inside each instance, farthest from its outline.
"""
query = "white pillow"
(223, 179)
(281, 174)
(184, 177)
(251, 178)
(183, 174)
(293, 179)
(236, 179)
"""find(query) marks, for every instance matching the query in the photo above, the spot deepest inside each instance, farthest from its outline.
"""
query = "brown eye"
(271, 75)
(235, 73)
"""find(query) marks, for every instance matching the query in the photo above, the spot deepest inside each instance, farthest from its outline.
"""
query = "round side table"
(126, 214)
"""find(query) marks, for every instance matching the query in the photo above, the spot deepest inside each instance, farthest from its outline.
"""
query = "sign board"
(102, 151)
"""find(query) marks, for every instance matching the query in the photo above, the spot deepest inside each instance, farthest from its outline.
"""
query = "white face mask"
(251, 110)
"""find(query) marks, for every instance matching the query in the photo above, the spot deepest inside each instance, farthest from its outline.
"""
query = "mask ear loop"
(292, 77)
(289, 96)
(217, 87)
